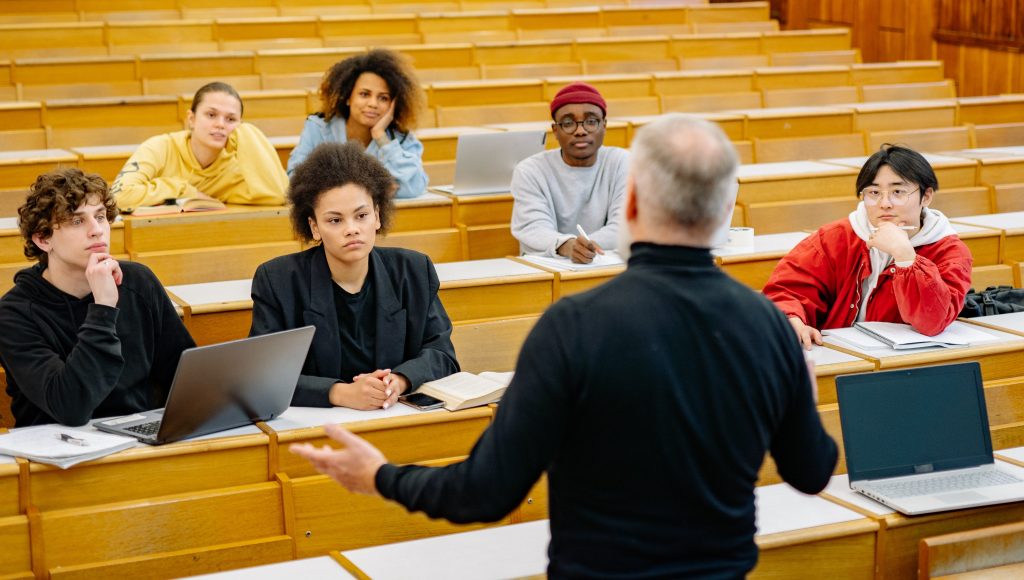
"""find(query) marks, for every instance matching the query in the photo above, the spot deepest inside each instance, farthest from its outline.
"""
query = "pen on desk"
(72, 439)
(583, 234)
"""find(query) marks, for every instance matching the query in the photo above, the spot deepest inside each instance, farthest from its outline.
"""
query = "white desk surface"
(822, 355)
(424, 197)
(969, 229)
(780, 508)
(508, 551)
(988, 99)
(478, 269)
(1004, 221)
(839, 488)
(322, 567)
(991, 154)
(1012, 321)
(789, 169)
(9, 223)
(902, 105)
(303, 417)
(764, 244)
(104, 150)
(1015, 453)
(213, 292)
(33, 154)
(887, 352)
(934, 159)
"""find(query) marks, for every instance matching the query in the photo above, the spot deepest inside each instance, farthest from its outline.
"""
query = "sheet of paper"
(512, 551)
(303, 417)
(213, 292)
(476, 269)
(780, 508)
(822, 356)
(609, 258)
(839, 488)
(852, 337)
(322, 567)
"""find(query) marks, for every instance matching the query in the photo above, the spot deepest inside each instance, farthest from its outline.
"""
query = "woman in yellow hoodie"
(219, 156)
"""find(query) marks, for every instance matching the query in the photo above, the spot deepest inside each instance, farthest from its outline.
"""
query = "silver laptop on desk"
(484, 161)
(918, 441)
(223, 386)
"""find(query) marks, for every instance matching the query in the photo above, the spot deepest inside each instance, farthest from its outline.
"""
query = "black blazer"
(413, 329)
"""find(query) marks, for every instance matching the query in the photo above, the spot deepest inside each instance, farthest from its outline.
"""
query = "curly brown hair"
(53, 199)
(396, 70)
(333, 165)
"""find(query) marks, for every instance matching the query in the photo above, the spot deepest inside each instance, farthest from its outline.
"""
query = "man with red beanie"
(580, 183)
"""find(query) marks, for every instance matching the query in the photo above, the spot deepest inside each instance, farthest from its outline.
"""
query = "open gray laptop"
(484, 161)
(223, 386)
(918, 441)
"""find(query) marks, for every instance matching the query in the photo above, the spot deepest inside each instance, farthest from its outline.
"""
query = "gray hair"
(686, 167)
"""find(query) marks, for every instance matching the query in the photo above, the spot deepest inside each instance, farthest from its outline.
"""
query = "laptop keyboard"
(934, 485)
(147, 429)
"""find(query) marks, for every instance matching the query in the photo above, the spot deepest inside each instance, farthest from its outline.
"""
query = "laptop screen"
(912, 421)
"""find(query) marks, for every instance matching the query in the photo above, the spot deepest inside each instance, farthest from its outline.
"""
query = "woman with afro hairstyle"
(381, 330)
(373, 99)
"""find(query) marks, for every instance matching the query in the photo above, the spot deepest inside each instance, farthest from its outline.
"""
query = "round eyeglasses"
(590, 124)
(898, 196)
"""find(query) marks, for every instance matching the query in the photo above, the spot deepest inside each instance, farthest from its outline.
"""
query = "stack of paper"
(901, 336)
(605, 260)
(61, 446)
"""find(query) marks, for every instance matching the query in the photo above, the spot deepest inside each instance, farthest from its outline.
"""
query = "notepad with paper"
(605, 260)
(902, 336)
(179, 205)
(464, 390)
(61, 446)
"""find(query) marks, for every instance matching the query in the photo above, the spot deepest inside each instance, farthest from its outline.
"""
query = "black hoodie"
(69, 360)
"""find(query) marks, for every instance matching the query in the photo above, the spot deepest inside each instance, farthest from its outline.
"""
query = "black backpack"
(994, 300)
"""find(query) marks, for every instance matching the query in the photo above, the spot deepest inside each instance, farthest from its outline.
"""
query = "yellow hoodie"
(247, 171)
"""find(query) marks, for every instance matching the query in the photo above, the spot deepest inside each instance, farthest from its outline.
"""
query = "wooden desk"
(996, 165)
(494, 288)
(730, 123)
(106, 160)
(426, 212)
(1012, 323)
(804, 536)
(985, 243)
(236, 225)
(484, 220)
(569, 281)
(215, 311)
(794, 181)
(752, 266)
(899, 536)
(512, 551)
(795, 122)
(1000, 359)
(19, 169)
(952, 172)
(1012, 226)
(893, 115)
(830, 363)
(989, 110)
(319, 567)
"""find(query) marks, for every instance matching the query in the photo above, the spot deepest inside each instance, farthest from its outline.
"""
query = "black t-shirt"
(357, 325)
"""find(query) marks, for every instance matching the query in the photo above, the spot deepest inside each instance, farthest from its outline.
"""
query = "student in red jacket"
(893, 259)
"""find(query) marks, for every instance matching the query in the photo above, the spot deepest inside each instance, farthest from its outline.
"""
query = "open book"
(179, 205)
(465, 390)
(901, 336)
(61, 446)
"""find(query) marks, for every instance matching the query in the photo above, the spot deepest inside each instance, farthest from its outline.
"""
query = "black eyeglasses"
(590, 124)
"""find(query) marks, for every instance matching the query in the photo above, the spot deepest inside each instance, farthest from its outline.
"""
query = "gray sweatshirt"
(550, 198)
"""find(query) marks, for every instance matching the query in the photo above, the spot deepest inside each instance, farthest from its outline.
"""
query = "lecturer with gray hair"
(650, 401)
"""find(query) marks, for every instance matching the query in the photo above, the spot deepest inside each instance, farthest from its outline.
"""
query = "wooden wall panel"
(981, 43)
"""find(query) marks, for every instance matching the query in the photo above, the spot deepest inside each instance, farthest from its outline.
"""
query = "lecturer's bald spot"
(685, 171)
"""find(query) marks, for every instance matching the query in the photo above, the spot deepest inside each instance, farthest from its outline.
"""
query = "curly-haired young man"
(84, 336)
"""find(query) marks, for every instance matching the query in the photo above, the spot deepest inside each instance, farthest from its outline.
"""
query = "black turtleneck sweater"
(650, 401)
(69, 360)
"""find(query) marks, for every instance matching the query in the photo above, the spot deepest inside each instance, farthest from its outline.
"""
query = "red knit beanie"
(576, 93)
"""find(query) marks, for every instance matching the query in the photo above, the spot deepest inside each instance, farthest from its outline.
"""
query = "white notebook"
(61, 446)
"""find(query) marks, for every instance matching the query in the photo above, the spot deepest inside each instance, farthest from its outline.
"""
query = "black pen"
(72, 439)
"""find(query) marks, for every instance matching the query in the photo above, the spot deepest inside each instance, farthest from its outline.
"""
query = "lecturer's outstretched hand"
(355, 466)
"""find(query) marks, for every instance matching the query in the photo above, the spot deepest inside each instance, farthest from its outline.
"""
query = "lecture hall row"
(240, 498)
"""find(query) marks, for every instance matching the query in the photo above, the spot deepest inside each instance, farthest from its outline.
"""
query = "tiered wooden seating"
(931, 140)
(813, 147)
(22, 127)
(998, 135)
(986, 551)
(943, 89)
(1008, 197)
(172, 74)
(902, 115)
(992, 109)
(821, 96)
(89, 122)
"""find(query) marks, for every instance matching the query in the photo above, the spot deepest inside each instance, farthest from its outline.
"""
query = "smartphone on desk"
(421, 401)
